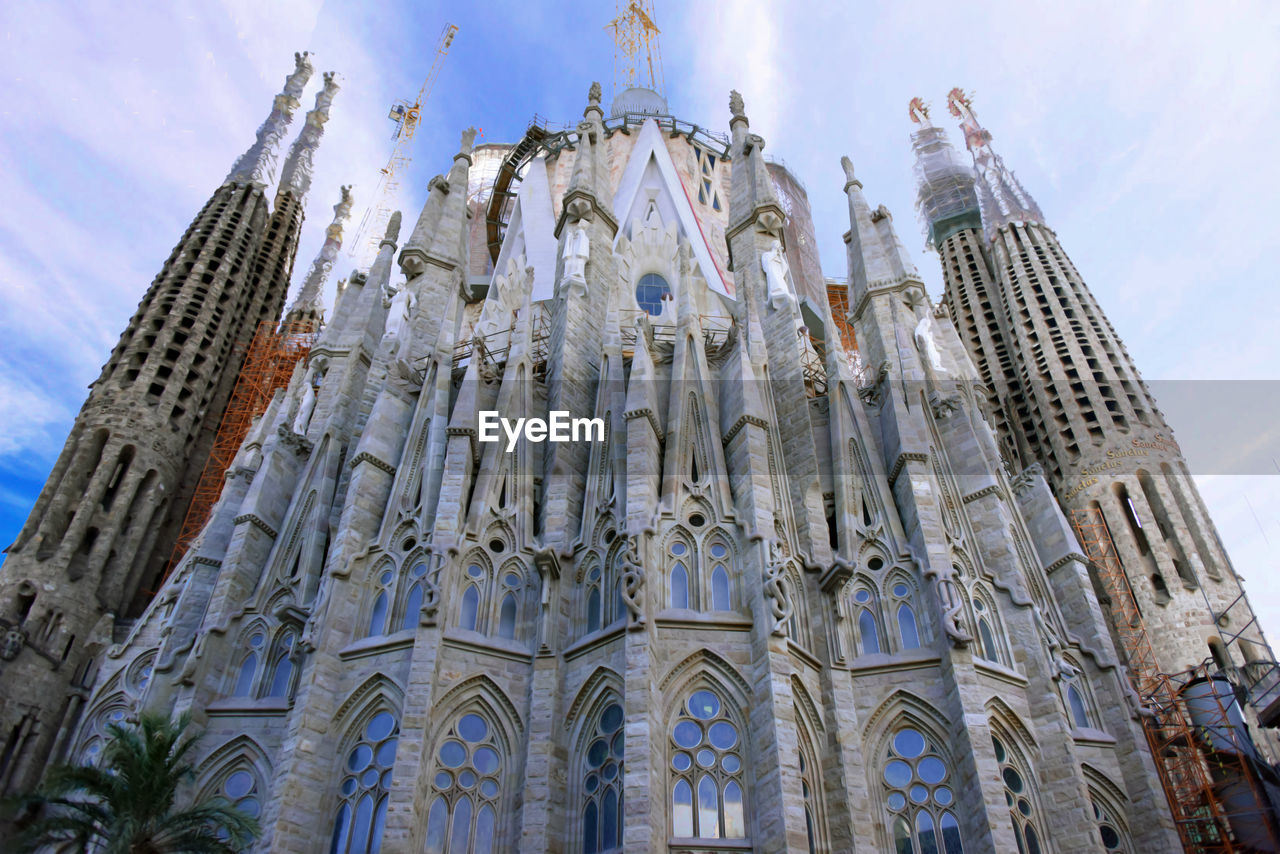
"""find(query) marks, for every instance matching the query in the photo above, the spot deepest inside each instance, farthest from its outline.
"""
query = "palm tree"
(125, 803)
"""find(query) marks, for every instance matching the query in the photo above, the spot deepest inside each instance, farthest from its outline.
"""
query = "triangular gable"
(531, 230)
(651, 168)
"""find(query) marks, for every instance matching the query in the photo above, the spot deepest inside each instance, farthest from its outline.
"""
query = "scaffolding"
(1196, 731)
(274, 351)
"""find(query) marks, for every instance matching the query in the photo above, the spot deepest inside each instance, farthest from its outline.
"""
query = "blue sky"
(1146, 131)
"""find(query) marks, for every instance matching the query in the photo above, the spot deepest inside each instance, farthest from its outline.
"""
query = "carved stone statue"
(774, 263)
(577, 250)
(927, 345)
(468, 140)
(308, 406)
(399, 316)
(847, 165)
(736, 108)
(633, 584)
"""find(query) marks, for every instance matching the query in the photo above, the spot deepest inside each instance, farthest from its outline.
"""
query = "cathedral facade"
(801, 582)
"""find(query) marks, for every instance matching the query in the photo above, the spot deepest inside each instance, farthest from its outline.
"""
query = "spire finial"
(594, 94)
(919, 111)
(296, 176)
(258, 164)
(736, 108)
(393, 228)
(1000, 195)
(307, 304)
(849, 178)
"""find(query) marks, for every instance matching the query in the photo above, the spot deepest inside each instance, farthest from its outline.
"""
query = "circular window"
(697, 520)
(650, 291)
(497, 546)
(408, 544)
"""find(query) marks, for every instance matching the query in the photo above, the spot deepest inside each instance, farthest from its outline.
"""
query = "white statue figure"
(926, 343)
(774, 263)
(399, 310)
(577, 249)
(308, 406)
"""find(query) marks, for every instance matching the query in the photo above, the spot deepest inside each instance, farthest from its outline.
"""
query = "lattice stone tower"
(779, 597)
(101, 532)
(1068, 397)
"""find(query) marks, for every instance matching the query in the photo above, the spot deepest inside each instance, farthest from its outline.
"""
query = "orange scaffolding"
(274, 351)
(1196, 735)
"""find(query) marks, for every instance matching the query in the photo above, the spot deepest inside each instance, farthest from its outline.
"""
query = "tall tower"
(1071, 399)
(104, 524)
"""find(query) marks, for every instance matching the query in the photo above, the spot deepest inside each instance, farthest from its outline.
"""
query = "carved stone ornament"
(776, 592)
(594, 94)
(11, 643)
(577, 251)
(952, 604)
(633, 584)
(736, 108)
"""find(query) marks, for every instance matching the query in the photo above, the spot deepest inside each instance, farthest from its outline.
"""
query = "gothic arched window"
(708, 798)
(413, 600)
(247, 673)
(472, 597)
(595, 599)
(908, 630)
(720, 597)
(1076, 704)
(919, 795)
(602, 783)
(680, 558)
(508, 610)
(463, 817)
(378, 617)
(282, 667)
(366, 782)
(240, 790)
(868, 631)
(1112, 833)
(987, 648)
(1017, 794)
(811, 789)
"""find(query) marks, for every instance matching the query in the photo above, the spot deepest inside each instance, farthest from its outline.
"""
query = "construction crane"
(634, 32)
(407, 116)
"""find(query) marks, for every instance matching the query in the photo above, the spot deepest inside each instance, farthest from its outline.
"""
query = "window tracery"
(365, 787)
(602, 823)
(466, 783)
(708, 799)
(919, 795)
(1018, 796)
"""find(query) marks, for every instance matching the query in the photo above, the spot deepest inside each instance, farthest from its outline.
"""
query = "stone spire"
(438, 233)
(296, 175)
(945, 198)
(258, 164)
(1001, 197)
(307, 303)
(588, 186)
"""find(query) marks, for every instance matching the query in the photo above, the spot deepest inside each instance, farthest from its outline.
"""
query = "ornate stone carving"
(736, 108)
(594, 94)
(308, 299)
(952, 603)
(11, 643)
(633, 584)
(776, 591)
(849, 178)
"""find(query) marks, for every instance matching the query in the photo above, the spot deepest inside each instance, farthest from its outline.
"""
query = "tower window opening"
(650, 292)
